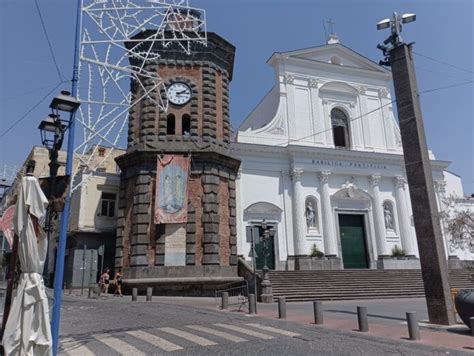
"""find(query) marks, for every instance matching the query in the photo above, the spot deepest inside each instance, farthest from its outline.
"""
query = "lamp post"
(268, 233)
(52, 135)
(267, 295)
(65, 103)
(434, 268)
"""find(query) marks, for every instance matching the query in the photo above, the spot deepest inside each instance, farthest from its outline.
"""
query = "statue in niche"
(387, 212)
(310, 215)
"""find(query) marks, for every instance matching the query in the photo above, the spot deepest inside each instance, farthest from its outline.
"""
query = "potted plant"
(398, 253)
(315, 252)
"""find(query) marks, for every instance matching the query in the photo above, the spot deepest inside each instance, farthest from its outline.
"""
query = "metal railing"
(238, 295)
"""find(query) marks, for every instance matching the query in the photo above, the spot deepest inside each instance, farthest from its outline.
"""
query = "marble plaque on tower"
(175, 245)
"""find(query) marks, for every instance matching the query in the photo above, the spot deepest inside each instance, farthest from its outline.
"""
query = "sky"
(443, 31)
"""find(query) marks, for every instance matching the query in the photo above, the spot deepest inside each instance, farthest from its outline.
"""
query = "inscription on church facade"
(323, 162)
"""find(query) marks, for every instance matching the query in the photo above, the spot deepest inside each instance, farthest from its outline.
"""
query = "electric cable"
(444, 63)
(28, 92)
(445, 87)
(452, 75)
(49, 42)
(31, 109)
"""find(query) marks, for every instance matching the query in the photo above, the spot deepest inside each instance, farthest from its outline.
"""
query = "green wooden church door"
(354, 251)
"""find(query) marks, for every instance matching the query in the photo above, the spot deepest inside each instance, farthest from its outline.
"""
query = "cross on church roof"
(332, 37)
(330, 26)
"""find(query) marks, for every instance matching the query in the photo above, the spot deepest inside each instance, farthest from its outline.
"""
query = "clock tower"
(190, 255)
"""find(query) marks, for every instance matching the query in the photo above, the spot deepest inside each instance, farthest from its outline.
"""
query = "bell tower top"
(196, 87)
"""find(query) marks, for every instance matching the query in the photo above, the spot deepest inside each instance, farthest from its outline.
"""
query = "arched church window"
(186, 124)
(311, 214)
(388, 215)
(340, 128)
(170, 125)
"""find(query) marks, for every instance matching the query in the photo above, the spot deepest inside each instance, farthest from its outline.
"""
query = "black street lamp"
(52, 136)
(268, 233)
(52, 133)
(64, 102)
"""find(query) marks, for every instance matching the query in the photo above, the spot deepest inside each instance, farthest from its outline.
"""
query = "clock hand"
(181, 92)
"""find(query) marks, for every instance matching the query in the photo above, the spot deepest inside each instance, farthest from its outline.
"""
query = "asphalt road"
(115, 326)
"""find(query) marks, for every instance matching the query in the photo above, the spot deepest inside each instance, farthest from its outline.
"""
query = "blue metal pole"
(61, 251)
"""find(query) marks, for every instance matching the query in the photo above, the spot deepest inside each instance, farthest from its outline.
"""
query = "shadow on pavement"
(462, 330)
(370, 315)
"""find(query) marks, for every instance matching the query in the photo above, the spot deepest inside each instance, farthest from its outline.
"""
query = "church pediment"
(336, 54)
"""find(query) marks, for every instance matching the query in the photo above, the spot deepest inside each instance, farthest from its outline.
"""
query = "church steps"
(350, 287)
(356, 284)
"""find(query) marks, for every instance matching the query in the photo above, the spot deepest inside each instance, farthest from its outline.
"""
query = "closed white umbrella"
(27, 331)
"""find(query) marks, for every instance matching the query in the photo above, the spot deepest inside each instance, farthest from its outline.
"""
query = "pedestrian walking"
(118, 283)
(105, 281)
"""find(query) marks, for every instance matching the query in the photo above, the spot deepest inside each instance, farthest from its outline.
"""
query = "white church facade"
(322, 163)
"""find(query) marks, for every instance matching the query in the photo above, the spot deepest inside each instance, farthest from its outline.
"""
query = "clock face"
(179, 93)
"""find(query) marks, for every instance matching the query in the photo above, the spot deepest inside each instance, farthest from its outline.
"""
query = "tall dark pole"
(61, 250)
(420, 180)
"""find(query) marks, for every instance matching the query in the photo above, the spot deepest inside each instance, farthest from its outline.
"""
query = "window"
(108, 204)
(186, 124)
(340, 128)
(170, 125)
(101, 151)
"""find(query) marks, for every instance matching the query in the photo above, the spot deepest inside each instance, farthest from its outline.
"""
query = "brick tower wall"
(211, 226)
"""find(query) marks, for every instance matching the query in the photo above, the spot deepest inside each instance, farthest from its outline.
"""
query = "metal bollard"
(471, 322)
(413, 328)
(134, 294)
(225, 300)
(281, 307)
(362, 319)
(149, 293)
(91, 292)
(318, 313)
(252, 304)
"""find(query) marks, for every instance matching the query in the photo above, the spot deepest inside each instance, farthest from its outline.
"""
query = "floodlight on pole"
(383, 24)
(407, 18)
(395, 38)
